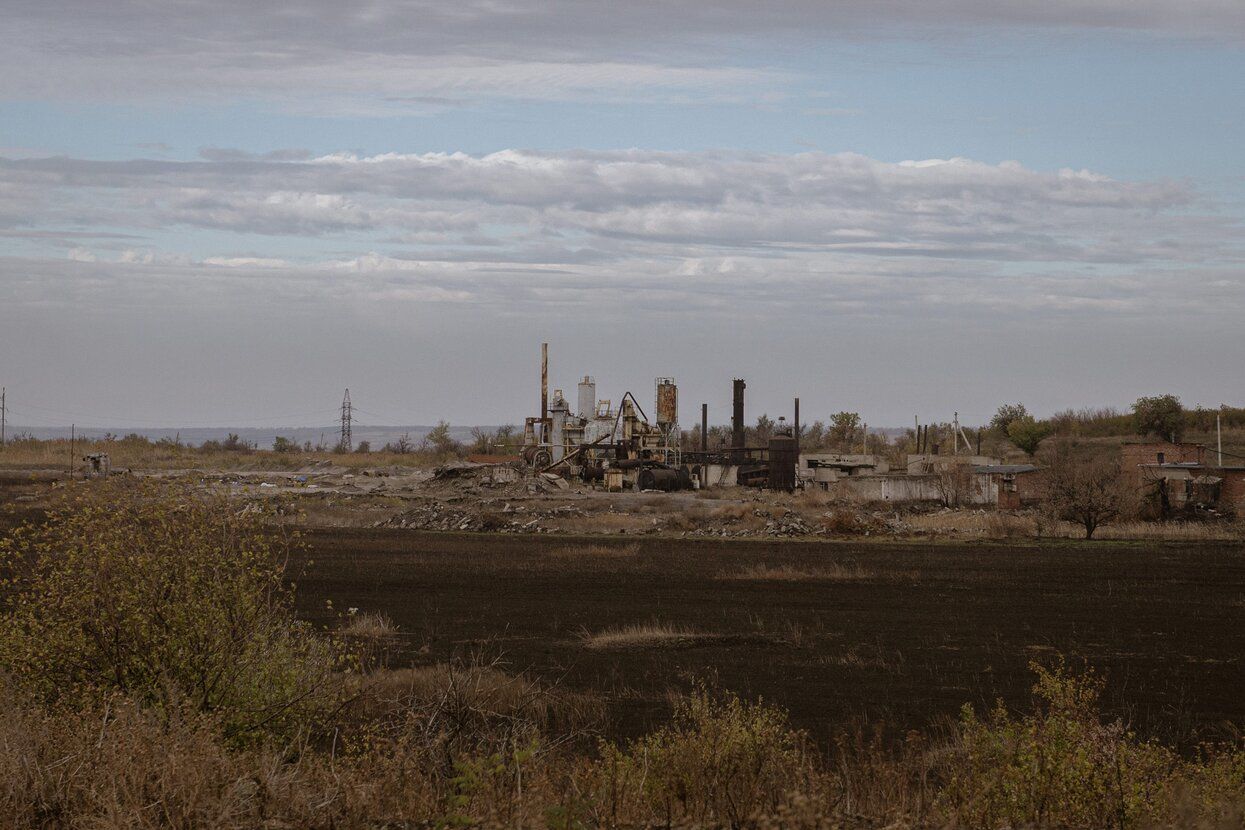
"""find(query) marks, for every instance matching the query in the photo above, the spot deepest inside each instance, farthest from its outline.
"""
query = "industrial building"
(621, 447)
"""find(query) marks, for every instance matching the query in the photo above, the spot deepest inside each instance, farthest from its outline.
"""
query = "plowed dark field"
(899, 634)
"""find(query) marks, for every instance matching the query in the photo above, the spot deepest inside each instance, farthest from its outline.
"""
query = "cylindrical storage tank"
(587, 398)
(656, 478)
(557, 413)
(782, 463)
(667, 402)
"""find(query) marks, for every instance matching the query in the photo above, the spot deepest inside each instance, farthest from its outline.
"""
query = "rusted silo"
(667, 403)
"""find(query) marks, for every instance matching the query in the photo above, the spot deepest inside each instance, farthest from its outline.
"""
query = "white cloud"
(714, 231)
(399, 56)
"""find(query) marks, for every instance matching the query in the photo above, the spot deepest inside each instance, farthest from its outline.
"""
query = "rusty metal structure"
(622, 448)
(595, 437)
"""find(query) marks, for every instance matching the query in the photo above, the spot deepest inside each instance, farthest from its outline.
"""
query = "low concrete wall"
(907, 488)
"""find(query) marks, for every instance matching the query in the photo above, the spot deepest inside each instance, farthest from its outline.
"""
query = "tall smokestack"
(704, 427)
(544, 390)
(737, 416)
(796, 424)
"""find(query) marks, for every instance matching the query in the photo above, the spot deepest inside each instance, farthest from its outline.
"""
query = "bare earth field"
(837, 632)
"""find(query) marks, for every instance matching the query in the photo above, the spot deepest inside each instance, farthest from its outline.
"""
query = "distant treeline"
(1107, 422)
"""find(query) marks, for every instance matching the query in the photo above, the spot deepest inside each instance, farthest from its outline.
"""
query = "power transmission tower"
(346, 443)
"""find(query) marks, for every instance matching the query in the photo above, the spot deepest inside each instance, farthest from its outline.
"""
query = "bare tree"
(482, 440)
(955, 484)
(1089, 491)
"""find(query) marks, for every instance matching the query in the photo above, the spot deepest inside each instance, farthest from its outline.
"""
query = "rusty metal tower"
(346, 443)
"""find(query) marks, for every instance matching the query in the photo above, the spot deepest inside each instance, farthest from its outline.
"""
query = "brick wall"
(1232, 490)
(1148, 452)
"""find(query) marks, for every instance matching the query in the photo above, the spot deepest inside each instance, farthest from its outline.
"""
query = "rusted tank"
(782, 462)
(667, 403)
(664, 478)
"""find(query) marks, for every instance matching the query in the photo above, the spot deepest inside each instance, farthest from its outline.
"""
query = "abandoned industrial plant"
(585, 415)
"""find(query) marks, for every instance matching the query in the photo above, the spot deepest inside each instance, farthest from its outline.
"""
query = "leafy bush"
(169, 595)
(1059, 766)
(285, 445)
(1006, 414)
(1026, 433)
(1161, 416)
(721, 760)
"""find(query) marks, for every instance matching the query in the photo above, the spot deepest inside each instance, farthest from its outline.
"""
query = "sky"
(224, 213)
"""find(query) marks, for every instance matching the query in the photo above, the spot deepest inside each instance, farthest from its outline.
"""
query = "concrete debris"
(438, 515)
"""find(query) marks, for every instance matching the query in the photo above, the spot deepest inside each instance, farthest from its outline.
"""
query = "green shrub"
(720, 760)
(168, 594)
(1059, 766)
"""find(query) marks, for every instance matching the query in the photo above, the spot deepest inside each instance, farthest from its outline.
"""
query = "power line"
(395, 421)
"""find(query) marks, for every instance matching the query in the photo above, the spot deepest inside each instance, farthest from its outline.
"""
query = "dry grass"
(149, 455)
(458, 746)
(607, 523)
(1167, 531)
(643, 635)
(370, 625)
(345, 511)
(596, 551)
(990, 524)
(475, 689)
(790, 573)
(731, 512)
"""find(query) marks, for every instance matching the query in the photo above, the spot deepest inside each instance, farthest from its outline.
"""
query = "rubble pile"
(467, 479)
(438, 515)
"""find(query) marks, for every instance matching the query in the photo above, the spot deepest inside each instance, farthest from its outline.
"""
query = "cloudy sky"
(225, 212)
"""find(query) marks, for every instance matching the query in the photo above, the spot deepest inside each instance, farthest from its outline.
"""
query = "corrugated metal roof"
(1005, 469)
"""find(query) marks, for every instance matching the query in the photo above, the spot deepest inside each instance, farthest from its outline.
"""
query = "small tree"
(402, 446)
(284, 445)
(1007, 414)
(481, 440)
(1161, 415)
(364, 447)
(843, 429)
(235, 444)
(440, 440)
(1027, 433)
(1088, 491)
(955, 484)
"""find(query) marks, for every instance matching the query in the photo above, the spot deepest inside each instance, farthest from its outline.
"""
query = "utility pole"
(3, 414)
(346, 443)
(1219, 438)
(72, 436)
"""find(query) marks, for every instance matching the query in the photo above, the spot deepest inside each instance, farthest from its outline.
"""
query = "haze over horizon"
(224, 213)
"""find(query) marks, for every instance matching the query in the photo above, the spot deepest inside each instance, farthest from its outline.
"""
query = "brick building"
(1181, 476)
